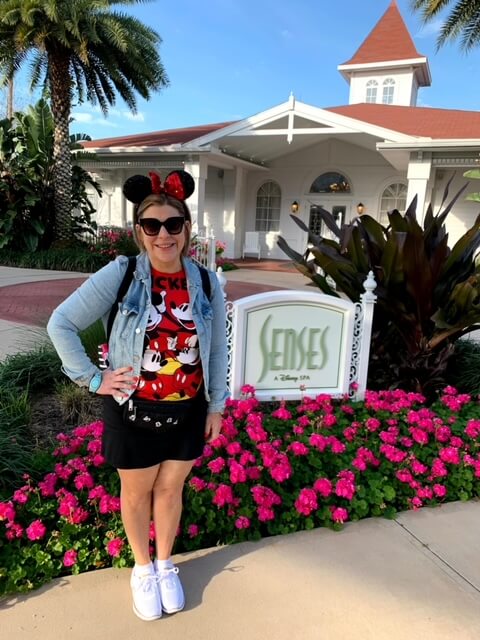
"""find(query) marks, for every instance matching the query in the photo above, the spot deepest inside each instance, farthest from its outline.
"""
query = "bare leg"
(167, 503)
(136, 506)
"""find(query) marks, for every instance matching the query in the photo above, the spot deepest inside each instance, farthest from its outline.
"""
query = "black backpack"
(127, 279)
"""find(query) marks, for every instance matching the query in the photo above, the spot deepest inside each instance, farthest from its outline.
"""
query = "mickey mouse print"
(171, 367)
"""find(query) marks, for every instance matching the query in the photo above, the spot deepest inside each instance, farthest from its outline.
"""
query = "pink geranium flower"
(114, 547)
(323, 486)
(339, 514)
(242, 522)
(306, 502)
(36, 530)
(70, 558)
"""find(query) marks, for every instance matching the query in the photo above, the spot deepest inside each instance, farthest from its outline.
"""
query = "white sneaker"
(146, 597)
(171, 590)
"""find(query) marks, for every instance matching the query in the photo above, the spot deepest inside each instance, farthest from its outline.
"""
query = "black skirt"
(127, 447)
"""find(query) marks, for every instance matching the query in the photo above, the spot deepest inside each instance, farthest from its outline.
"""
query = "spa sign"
(289, 343)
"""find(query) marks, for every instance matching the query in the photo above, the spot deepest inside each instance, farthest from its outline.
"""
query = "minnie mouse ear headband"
(178, 184)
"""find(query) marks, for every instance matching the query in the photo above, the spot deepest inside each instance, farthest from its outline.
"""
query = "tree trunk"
(10, 98)
(61, 88)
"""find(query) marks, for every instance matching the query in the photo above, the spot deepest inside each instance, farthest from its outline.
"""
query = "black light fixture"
(360, 208)
(294, 206)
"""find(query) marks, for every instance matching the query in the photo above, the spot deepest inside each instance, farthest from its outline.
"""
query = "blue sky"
(230, 59)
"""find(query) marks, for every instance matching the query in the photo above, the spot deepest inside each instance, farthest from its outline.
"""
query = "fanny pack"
(158, 416)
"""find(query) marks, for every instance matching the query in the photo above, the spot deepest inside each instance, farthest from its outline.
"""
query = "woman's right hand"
(115, 382)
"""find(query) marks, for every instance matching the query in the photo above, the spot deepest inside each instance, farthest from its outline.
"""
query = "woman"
(165, 387)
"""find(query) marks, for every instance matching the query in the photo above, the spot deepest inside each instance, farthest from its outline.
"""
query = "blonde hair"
(160, 200)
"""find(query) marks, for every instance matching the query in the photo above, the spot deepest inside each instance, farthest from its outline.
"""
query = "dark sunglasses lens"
(152, 226)
(174, 225)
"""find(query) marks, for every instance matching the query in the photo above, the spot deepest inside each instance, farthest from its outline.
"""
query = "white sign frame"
(243, 310)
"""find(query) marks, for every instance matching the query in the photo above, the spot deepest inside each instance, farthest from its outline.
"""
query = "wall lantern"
(360, 208)
(294, 206)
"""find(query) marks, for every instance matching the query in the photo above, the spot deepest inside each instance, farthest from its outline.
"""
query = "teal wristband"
(95, 383)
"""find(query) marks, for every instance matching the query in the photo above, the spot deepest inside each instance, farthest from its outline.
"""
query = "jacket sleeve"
(90, 302)
(218, 364)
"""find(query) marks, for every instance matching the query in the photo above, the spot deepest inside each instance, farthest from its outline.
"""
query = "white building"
(380, 149)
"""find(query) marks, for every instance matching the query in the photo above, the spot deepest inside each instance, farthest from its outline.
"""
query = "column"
(418, 175)
(196, 203)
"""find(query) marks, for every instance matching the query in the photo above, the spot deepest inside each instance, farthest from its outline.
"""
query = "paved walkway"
(416, 577)
(28, 296)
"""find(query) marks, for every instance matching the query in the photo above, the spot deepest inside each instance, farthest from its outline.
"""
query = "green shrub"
(62, 259)
(464, 367)
(428, 294)
(33, 371)
(114, 241)
(315, 463)
(27, 219)
(78, 406)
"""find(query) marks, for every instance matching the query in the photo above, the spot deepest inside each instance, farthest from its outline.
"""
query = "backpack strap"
(122, 290)
(206, 284)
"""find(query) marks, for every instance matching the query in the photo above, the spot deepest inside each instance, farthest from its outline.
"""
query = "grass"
(15, 443)
(36, 370)
(78, 406)
(91, 337)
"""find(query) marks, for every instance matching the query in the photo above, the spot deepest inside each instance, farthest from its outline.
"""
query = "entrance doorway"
(316, 224)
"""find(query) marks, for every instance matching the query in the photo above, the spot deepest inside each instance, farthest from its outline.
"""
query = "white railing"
(203, 251)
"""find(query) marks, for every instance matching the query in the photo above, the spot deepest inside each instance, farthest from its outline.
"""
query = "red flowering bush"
(114, 241)
(273, 470)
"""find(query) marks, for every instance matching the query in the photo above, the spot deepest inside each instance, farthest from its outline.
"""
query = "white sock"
(163, 564)
(143, 569)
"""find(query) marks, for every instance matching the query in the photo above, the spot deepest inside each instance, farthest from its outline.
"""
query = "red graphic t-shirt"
(171, 367)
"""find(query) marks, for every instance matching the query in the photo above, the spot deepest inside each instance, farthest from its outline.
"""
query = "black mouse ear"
(137, 188)
(179, 184)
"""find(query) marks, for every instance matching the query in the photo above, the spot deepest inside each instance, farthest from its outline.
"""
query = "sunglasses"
(152, 226)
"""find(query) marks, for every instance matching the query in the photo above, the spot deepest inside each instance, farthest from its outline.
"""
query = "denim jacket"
(94, 299)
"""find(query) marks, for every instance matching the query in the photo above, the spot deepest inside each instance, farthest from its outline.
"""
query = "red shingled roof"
(416, 121)
(157, 138)
(389, 40)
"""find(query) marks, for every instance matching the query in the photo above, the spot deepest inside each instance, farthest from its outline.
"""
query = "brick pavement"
(31, 303)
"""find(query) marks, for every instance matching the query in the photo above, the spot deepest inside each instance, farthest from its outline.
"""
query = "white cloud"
(88, 118)
(83, 117)
(137, 117)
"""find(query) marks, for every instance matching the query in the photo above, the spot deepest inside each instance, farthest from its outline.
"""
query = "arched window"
(330, 182)
(388, 90)
(267, 215)
(393, 197)
(371, 95)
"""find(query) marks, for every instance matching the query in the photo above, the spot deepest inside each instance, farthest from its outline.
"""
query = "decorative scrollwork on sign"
(356, 346)
(229, 314)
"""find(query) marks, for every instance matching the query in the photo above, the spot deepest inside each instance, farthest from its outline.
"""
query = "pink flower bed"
(274, 469)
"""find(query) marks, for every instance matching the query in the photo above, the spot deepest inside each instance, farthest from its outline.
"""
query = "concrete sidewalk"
(416, 577)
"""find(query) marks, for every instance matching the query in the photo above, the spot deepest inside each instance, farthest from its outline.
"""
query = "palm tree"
(463, 21)
(82, 49)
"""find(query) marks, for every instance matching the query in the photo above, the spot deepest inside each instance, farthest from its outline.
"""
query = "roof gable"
(389, 40)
